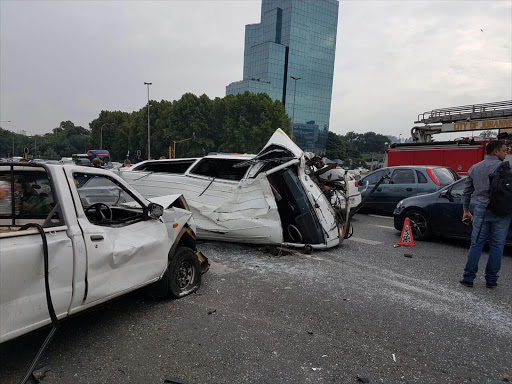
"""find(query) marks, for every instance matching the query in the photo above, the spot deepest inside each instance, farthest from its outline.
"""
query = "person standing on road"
(486, 224)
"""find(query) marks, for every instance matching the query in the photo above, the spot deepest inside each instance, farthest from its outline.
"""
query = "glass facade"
(295, 38)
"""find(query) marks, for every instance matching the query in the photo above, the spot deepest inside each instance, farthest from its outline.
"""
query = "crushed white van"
(269, 198)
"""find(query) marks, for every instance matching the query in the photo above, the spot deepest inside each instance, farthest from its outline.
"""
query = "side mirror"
(155, 210)
(446, 194)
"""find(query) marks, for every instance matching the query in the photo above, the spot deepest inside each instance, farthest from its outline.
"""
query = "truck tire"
(184, 273)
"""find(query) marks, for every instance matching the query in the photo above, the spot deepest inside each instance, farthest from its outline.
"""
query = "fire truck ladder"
(463, 118)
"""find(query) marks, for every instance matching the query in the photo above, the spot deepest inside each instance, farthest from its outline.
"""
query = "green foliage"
(64, 140)
(355, 146)
(235, 123)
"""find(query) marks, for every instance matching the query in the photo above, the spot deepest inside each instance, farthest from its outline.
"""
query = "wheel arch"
(187, 238)
(415, 208)
(429, 231)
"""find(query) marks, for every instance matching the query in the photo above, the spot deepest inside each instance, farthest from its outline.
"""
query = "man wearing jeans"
(487, 226)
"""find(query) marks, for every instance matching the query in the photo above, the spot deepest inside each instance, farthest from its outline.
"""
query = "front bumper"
(397, 221)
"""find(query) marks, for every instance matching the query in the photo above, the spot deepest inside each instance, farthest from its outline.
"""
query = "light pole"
(101, 135)
(295, 79)
(149, 139)
(400, 138)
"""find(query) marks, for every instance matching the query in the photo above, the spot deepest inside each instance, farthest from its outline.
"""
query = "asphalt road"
(362, 309)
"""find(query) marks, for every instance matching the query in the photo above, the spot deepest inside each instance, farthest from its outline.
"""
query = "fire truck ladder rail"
(467, 112)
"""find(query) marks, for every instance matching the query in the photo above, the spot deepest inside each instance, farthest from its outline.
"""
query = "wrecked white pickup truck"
(269, 198)
(75, 237)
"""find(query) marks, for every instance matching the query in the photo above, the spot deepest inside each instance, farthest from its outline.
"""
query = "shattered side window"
(221, 169)
(33, 196)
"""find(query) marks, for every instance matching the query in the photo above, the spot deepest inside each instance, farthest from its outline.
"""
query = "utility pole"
(101, 135)
(149, 133)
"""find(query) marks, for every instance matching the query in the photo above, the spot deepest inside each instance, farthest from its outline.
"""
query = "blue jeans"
(486, 227)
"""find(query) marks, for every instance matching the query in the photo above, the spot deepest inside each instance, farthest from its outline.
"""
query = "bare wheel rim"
(419, 224)
(185, 274)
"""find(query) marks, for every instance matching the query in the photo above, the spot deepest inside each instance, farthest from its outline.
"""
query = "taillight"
(357, 185)
(433, 177)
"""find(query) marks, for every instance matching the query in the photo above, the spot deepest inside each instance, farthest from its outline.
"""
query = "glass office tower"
(290, 56)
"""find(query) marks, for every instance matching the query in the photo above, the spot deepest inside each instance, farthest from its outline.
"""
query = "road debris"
(212, 311)
(362, 379)
(278, 251)
(176, 381)
(310, 332)
(409, 255)
(394, 357)
(40, 374)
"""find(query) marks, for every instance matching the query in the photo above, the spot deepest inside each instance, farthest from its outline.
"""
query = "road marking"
(370, 242)
(382, 226)
(382, 217)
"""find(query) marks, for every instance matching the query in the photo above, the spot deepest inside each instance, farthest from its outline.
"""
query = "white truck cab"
(103, 240)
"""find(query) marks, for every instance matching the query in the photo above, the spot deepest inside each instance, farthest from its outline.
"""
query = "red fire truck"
(459, 154)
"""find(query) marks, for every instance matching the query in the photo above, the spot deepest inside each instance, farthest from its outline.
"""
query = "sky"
(68, 60)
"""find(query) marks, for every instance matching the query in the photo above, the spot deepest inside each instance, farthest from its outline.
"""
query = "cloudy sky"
(68, 60)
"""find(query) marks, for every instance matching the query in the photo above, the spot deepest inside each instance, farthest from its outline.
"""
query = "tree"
(335, 147)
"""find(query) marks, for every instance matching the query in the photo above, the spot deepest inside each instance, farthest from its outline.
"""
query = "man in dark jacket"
(487, 226)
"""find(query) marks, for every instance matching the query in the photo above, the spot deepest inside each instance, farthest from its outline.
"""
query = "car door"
(374, 201)
(403, 184)
(447, 212)
(125, 248)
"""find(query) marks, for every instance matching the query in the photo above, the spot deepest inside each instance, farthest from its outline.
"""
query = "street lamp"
(149, 139)
(295, 79)
(101, 135)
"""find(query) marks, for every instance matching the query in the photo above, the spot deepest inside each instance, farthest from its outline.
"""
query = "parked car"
(404, 181)
(438, 213)
(269, 198)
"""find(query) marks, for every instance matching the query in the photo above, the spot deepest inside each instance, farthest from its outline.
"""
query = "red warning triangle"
(406, 236)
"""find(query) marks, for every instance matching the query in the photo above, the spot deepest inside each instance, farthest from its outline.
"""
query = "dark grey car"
(404, 181)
